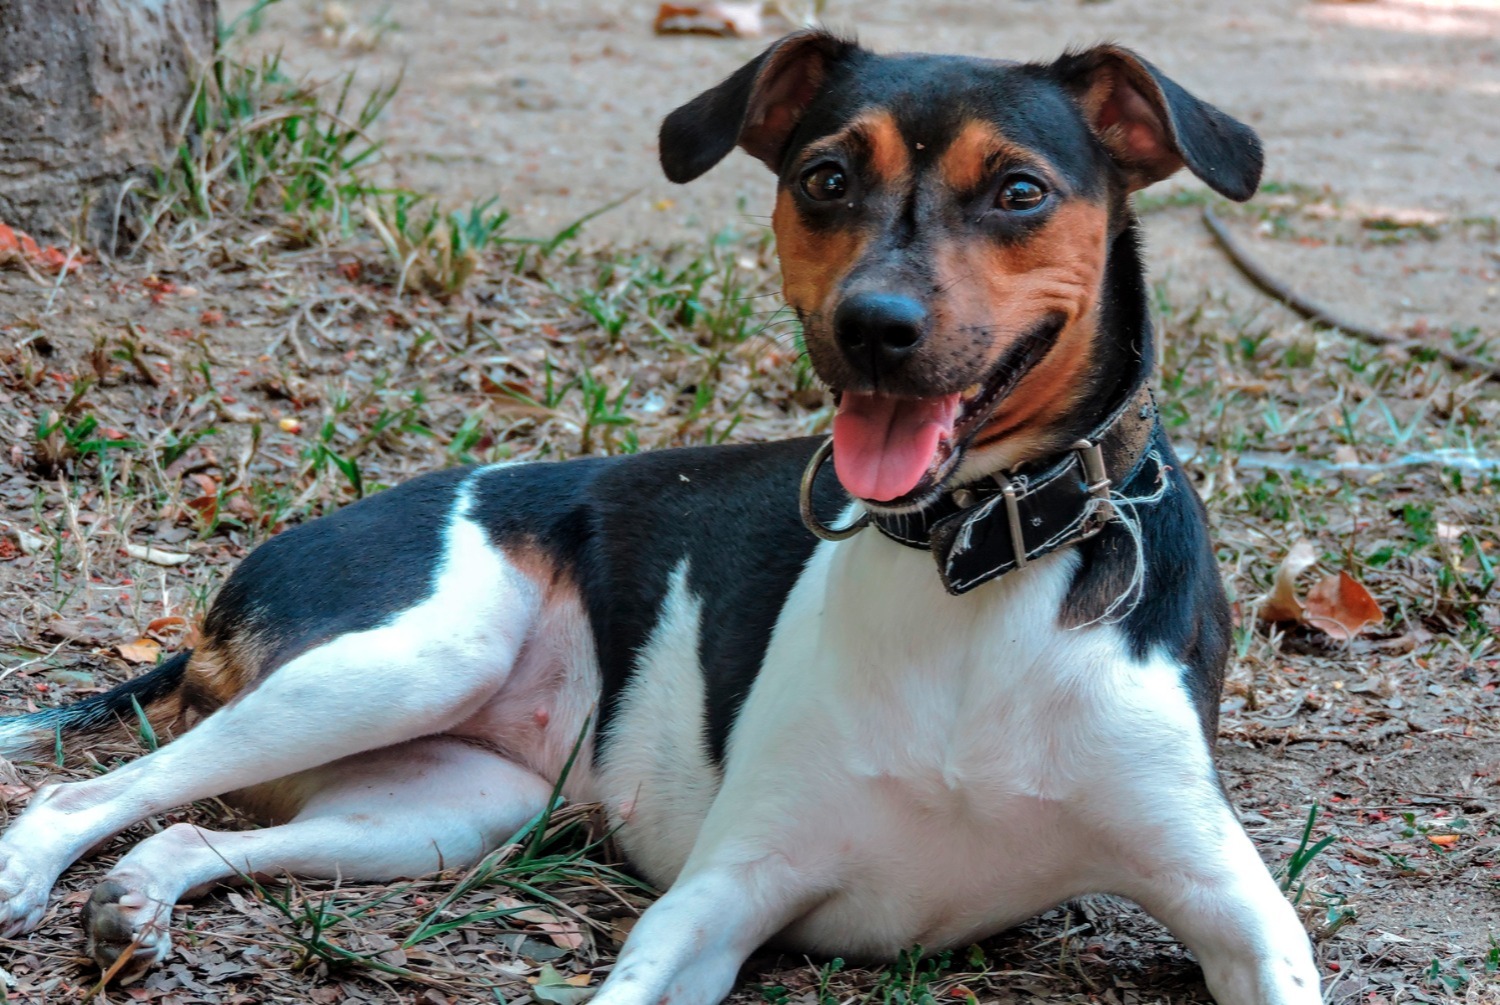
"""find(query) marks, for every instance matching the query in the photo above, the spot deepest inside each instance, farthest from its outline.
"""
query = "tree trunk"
(92, 95)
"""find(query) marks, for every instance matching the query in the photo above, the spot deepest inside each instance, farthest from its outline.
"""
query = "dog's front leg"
(1220, 900)
(688, 946)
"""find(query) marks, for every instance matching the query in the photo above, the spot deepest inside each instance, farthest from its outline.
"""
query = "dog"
(964, 672)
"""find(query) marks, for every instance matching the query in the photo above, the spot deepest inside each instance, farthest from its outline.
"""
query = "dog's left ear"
(756, 108)
(1152, 127)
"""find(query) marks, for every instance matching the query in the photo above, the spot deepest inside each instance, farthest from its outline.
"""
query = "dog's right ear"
(756, 108)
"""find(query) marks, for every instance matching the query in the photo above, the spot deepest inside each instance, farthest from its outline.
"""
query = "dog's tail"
(153, 695)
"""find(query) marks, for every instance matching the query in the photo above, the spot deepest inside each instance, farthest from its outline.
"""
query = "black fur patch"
(1181, 609)
(623, 525)
(350, 571)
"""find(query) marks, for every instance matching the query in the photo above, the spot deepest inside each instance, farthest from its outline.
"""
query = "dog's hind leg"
(422, 671)
(401, 812)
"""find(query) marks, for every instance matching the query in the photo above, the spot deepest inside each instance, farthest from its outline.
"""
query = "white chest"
(955, 763)
(950, 758)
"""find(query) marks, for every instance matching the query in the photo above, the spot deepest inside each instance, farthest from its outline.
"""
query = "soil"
(1381, 114)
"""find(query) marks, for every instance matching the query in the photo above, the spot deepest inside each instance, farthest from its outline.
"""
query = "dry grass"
(290, 337)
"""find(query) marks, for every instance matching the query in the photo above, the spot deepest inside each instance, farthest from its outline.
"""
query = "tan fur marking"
(219, 671)
(167, 716)
(537, 564)
(277, 801)
(812, 263)
(874, 134)
(885, 145)
(997, 294)
(973, 154)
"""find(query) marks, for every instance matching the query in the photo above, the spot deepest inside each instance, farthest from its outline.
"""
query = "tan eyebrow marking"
(973, 154)
(876, 133)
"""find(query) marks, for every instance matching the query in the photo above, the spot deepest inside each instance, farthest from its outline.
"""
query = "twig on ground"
(114, 968)
(132, 345)
(289, 336)
(1319, 314)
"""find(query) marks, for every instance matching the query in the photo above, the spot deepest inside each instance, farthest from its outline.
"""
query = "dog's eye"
(825, 183)
(1020, 195)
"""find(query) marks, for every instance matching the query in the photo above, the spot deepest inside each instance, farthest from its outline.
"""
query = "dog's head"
(944, 226)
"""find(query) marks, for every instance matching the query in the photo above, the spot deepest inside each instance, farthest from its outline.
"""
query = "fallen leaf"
(140, 651)
(71, 678)
(1341, 607)
(552, 988)
(513, 397)
(1281, 604)
(155, 555)
(1450, 533)
(12, 794)
(732, 20)
(564, 934)
(162, 624)
(30, 544)
(18, 248)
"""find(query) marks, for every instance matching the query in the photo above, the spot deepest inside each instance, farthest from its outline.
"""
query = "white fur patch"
(658, 781)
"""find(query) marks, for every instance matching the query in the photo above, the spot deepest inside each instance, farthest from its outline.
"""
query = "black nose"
(878, 330)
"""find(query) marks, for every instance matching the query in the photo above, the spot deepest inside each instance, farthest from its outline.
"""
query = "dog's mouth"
(898, 451)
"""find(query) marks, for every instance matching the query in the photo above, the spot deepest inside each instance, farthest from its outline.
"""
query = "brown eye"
(1020, 195)
(825, 183)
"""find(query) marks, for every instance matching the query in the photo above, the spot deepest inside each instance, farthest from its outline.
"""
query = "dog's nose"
(878, 330)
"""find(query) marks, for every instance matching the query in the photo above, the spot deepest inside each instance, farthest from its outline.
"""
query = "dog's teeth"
(972, 392)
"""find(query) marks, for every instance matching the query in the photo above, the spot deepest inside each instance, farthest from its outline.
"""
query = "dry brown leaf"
(162, 624)
(564, 934)
(19, 249)
(1341, 607)
(1281, 604)
(514, 397)
(12, 794)
(139, 651)
(733, 20)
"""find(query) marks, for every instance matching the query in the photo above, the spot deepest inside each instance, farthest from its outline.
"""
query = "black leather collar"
(981, 531)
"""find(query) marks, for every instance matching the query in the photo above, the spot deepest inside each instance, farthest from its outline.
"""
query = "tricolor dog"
(911, 684)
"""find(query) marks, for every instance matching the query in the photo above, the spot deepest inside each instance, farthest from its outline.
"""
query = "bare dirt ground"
(1381, 115)
(265, 357)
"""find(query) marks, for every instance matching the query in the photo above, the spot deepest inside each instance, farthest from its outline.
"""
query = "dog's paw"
(118, 918)
(23, 892)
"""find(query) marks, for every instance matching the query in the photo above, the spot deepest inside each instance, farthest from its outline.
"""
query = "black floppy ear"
(756, 108)
(1152, 127)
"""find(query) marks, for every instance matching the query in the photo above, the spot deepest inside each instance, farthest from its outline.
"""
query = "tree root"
(1321, 315)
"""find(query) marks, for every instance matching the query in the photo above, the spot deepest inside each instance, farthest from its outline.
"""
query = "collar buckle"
(1012, 498)
(1098, 483)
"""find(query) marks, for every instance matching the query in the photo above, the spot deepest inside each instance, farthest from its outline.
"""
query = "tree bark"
(92, 96)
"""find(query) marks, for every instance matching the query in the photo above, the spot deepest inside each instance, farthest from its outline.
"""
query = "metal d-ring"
(805, 500)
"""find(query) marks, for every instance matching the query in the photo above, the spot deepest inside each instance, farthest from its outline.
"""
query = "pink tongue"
(883, 445)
